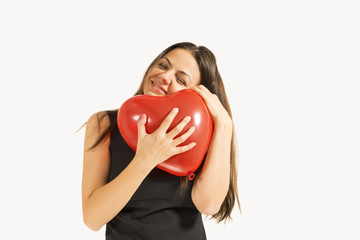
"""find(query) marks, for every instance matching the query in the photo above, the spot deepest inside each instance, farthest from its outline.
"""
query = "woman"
(124, 190)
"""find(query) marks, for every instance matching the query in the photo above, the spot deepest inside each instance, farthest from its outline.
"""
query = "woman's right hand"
(159, 146)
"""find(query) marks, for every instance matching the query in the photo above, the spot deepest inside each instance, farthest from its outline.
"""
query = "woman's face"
(177, 70)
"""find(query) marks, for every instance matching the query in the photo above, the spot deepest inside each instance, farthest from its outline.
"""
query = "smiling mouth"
(158, 88)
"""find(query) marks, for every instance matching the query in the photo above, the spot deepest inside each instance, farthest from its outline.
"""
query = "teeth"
(158, 87)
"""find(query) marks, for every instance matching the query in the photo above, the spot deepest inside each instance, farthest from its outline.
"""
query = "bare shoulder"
(97, 160)
(99, 119)
(95, 126)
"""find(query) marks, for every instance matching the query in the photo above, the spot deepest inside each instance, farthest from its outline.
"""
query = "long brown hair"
(211, 79)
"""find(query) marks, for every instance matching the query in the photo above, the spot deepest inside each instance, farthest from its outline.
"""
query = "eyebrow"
(179, 71)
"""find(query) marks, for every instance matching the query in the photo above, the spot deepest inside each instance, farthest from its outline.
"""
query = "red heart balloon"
(156, 109)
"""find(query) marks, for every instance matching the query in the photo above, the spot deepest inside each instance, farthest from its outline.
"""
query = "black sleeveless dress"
(157, 210)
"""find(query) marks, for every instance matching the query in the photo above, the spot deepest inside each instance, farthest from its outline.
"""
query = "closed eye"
(178, 79)
(181, 81)
(163, 66)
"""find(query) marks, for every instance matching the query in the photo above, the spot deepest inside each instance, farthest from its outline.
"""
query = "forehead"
(183, 60)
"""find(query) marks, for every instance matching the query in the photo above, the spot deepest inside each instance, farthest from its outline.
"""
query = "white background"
(291, 71)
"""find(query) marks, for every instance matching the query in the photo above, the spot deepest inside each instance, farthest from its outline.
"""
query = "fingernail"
(187, 119)
(175, 109)
(192, 128)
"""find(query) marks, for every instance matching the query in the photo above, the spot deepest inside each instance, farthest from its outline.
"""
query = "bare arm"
(102, 201)
(212, 184)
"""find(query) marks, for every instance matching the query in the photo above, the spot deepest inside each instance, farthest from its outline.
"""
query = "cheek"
(175, 88)
(153, 72)
(146, 85)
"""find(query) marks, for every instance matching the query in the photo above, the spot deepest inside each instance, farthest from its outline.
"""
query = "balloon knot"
(191, 176)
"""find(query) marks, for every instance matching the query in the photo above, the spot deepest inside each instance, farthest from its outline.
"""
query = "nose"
(166, 77)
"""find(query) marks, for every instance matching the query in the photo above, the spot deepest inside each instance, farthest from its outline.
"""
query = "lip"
(157, 88)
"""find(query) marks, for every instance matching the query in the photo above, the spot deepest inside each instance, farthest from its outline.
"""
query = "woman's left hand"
(218, 113)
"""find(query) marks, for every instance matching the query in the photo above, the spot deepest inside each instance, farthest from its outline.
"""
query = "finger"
(183, 137)
(196, 88)
(168, 120)
(185, 148)
(141, 126)
(201, 92)
(207, 98)
(205, 89)
(176, 130)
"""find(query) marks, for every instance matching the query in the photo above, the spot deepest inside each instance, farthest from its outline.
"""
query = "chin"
(151, 94)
